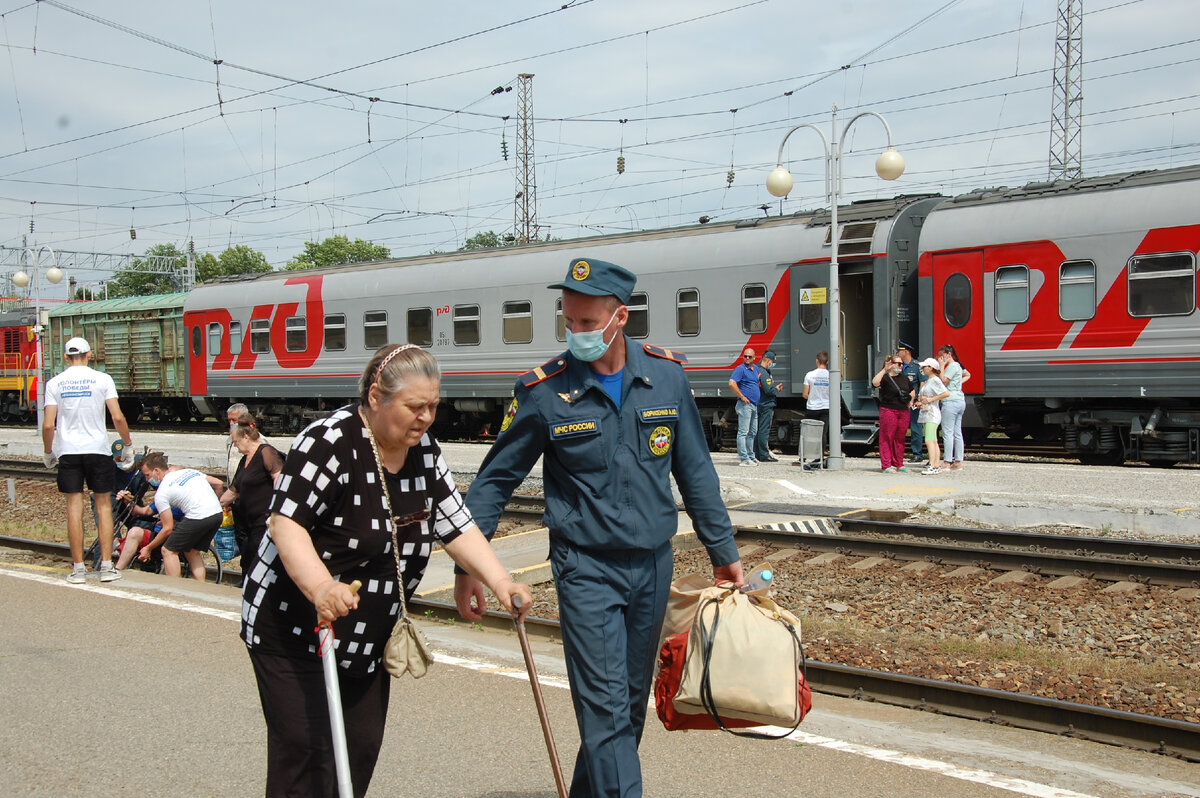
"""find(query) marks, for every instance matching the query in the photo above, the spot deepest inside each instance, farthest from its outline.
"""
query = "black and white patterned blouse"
(330, 486)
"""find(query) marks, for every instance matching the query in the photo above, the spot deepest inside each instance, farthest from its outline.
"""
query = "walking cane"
(341, 757)
(541, 704)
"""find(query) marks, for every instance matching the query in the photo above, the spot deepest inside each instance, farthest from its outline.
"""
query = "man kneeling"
(195, 494)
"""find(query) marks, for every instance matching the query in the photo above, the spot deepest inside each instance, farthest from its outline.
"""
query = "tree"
(142, 277)
(337, 250)
(487, 240)
(235, 260)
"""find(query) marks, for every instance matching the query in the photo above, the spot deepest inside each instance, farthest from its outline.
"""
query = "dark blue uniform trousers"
(611, 606)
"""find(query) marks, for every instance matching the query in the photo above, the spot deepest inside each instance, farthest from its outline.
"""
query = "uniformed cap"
(77, 346)
(903, 346)
(769, 354)
(598, 278)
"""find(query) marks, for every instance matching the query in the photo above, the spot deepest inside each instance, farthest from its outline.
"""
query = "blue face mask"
(589, 346)
(154, 483)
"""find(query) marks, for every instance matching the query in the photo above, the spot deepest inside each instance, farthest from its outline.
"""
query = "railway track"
(1143, 732)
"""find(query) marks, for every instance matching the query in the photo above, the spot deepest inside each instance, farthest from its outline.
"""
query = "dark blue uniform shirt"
(606, 471)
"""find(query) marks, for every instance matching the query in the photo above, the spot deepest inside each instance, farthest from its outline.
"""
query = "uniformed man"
(613, 420)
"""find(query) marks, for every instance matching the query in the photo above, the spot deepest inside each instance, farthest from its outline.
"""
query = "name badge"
(571, 429)
(659, 413)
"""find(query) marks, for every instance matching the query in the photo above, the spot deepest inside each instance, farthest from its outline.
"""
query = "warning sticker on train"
(660, 441)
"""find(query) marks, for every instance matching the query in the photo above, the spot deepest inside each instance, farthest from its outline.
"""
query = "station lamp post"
(889, 165)
(20, 280)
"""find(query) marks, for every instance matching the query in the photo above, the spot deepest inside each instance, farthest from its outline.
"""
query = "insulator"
(132, 234)
(31, 225)
(504, 148)
(620, 164)
(729, 178)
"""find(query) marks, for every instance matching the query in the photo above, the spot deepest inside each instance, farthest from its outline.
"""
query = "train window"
(1012, 294)
(811, 315)
(1162, 285)
(687, 311)
(260, 336)
(754, 308)
(375, 329)
(956, 300)
(214, 338)
(517, 322)
(420, 326)
(560, 326)
(235, 337)
(335, 332)
(295, 337)
(197, 341)
(638, 325)
(1076, 290)
(466, 325)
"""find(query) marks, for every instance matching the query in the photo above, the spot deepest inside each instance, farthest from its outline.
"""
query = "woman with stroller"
(249, 495)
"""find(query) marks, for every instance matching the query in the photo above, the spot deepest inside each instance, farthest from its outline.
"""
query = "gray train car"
(292, 344)
(1073, 304)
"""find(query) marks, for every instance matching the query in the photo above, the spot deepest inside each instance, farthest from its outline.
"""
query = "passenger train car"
(1072, 304)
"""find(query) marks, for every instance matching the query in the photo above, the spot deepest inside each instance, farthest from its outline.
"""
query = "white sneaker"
(932, 470)
(77, 576)
(109, 573)
(747, 463)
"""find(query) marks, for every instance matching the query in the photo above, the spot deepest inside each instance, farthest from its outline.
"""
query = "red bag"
(666, 686)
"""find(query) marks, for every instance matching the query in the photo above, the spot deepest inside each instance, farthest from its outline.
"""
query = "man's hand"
(49, 459)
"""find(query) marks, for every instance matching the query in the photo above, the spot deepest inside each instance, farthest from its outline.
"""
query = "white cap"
(78, 346)
(931, 364)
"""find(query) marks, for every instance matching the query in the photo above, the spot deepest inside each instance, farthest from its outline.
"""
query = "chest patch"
(656, 413)
(571, 429)
(660, 441)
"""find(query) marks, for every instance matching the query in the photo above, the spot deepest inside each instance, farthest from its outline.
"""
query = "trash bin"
(812, 445)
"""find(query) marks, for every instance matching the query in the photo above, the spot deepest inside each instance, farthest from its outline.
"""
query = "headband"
(390, 355)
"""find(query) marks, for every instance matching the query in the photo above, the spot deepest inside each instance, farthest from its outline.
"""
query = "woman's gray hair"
(391, 367)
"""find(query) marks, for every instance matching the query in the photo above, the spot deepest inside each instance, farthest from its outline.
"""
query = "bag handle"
(707, 636)
(391, 521)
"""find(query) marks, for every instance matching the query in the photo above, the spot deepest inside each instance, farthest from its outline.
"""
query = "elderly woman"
(896, 396)
(331, 523)
(249, 494)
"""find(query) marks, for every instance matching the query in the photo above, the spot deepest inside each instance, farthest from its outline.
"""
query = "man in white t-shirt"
(195, 494)
(75, 403)
(816, 396)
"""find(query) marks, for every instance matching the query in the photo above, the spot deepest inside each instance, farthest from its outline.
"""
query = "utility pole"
(525, 227)
(1066, 116)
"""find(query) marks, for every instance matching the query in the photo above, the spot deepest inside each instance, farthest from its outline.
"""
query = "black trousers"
(299, 739)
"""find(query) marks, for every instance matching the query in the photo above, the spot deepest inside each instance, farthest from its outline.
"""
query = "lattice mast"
(525, 227)
(1066, 116)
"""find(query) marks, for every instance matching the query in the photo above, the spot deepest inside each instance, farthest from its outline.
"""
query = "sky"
(271, 124)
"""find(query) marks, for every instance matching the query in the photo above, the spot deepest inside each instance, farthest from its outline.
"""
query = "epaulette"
(665, 354)
(543, 372)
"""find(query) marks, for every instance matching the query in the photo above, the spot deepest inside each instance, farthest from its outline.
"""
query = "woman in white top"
(953, 376)
(933, 392)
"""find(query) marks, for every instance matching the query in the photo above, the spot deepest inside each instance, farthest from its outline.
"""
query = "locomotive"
(1072, 303)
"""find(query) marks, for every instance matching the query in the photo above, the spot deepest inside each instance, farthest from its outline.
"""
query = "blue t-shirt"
(612, 385)
(746, 378)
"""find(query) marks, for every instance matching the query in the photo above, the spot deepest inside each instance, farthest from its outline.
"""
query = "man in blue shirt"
(614, 421)
(744, 382)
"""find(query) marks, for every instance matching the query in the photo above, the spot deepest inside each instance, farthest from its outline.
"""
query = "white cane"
(341, 757)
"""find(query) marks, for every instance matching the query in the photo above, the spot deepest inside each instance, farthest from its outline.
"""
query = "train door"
(958, 310)
(808, 325)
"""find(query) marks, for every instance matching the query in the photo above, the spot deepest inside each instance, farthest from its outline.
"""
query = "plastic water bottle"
(758, 579)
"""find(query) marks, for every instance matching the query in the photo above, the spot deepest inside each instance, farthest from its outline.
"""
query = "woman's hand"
(506, 589)
(333, 600)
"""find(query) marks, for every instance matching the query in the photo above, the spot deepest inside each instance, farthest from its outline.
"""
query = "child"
(933, 391)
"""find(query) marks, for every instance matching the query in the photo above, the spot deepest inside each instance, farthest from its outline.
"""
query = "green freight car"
(139, 342)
